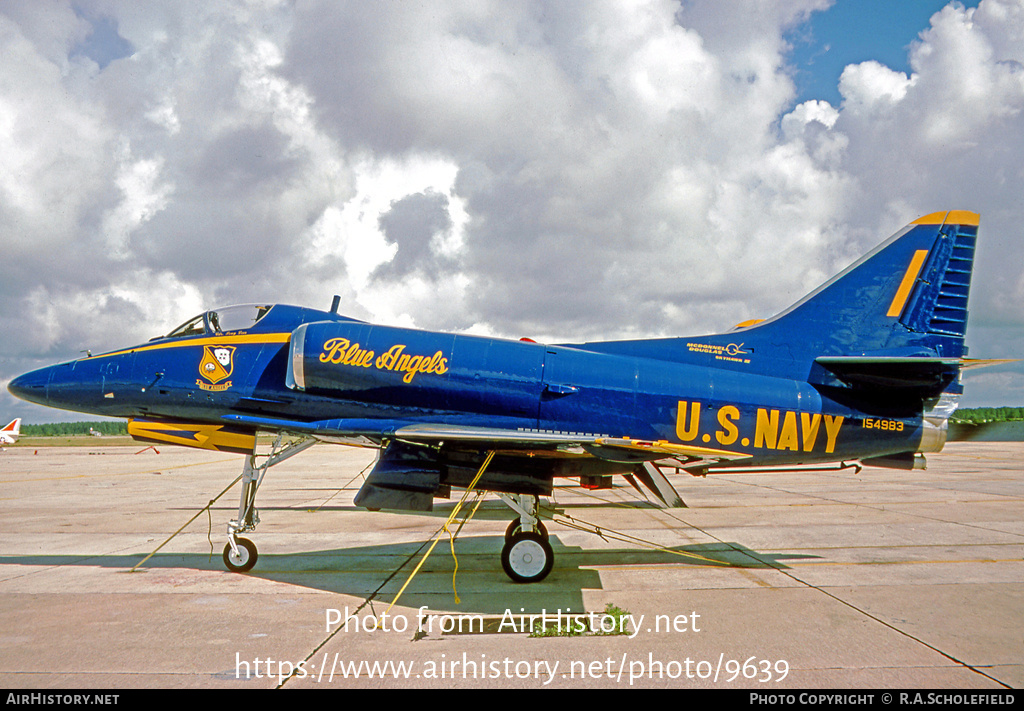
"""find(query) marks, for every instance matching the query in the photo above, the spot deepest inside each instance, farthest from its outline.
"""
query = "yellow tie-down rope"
(606, 533)
(445, 527)
(198, 513)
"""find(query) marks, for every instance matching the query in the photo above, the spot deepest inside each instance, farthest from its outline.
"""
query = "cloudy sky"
(558, 170)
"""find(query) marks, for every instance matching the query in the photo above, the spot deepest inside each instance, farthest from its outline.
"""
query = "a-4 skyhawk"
(866, 368)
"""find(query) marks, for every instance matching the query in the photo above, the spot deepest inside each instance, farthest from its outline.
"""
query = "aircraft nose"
(32, 386)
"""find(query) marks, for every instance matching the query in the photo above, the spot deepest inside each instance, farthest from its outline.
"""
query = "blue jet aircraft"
(866, 368)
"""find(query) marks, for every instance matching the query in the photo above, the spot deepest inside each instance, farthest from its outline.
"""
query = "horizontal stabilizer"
(923, 375)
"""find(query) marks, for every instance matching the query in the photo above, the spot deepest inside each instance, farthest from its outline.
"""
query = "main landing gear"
(240, 554)
(527, 556)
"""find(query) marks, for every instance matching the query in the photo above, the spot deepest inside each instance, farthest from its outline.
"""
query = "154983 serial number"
(890, 425)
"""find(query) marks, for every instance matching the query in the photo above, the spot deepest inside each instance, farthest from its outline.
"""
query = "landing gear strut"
(527, 556)
(240, 554)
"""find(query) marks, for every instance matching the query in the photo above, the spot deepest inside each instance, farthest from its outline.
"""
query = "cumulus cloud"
(870, 86)
(566, 171)
(949, 134)
(416, 224)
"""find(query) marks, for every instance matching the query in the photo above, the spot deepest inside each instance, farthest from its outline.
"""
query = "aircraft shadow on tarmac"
(380, 571)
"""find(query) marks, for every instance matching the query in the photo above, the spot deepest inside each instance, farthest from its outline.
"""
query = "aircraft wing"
(621, 449)
(602, 446)
(406, 474)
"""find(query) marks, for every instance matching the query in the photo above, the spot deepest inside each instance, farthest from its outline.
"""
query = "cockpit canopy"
(231, 318)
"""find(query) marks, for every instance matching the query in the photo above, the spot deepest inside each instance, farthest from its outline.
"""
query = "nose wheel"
(242, 557)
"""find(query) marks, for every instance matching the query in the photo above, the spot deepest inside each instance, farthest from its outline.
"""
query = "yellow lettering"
(683, 431)
(810, 423)
(430, 366)
(832, 427)
(890, 425)
(340, 350)
(726, 415)
(412, 367)
(789, 439)
(767, 428)
(334, 350)
(356, 356)
(387, 360)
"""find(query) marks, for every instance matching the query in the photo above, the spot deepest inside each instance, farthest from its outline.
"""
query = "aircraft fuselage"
(300, 365)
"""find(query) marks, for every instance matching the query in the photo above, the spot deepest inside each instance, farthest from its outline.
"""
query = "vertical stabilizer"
(906, 298)
(10, 433)
(937, 303)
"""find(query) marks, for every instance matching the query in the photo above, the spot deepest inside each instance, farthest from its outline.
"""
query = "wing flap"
(662, 449)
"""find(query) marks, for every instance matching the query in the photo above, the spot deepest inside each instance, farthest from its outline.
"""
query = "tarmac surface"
(881, 579)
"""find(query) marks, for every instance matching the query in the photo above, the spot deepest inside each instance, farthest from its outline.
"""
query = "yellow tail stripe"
(903, 293)
(953, 217)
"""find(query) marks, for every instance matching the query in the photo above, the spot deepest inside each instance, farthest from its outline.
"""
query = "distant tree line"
(989, 414)
(68, 429)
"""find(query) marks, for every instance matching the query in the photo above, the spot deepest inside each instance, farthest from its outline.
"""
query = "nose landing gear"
(240, 554)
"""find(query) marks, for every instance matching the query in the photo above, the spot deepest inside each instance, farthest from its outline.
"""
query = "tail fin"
(896, 319)
(907, 298)
(10, 433)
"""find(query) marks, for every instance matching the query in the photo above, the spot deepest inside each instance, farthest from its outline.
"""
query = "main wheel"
(527, 557)
(515, 527)
(246, 558)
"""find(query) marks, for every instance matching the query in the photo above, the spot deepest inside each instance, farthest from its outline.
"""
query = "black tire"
(246, 558)
(514, 528)
(527, 558)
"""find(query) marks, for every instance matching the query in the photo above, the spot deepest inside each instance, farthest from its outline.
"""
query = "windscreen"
(231, 318)
(236, 318)
(193, 327)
